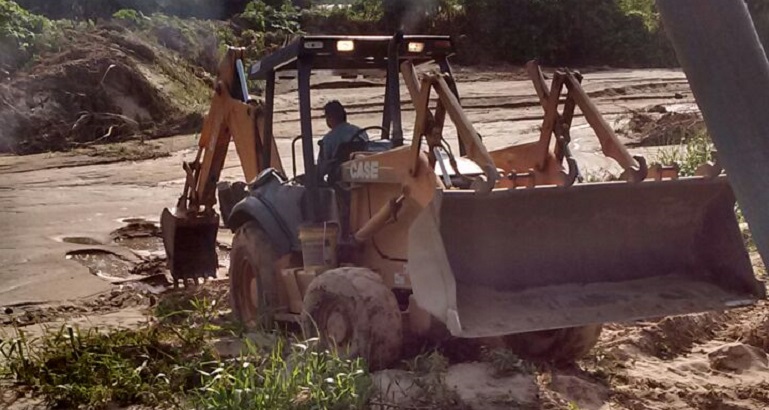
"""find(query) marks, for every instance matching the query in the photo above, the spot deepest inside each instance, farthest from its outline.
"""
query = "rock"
(395, 388)
(678, 96)
(8, 311)
(738, 357)
(478, 388)
(659, 108)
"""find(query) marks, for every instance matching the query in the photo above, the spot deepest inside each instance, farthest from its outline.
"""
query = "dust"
(96, 89)
(413, 13)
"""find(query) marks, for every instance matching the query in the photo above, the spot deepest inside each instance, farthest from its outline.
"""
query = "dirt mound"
(737, 357)
(658, 127)
(753, 329)
(676, 335)
(104, 85)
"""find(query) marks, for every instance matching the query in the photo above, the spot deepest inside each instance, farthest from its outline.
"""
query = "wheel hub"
(249, 292)
(337, 327)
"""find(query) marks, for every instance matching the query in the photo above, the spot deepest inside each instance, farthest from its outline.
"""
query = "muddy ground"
(80, 243)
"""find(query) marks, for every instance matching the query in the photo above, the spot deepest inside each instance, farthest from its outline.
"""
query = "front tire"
(354, 313)
(253, 294)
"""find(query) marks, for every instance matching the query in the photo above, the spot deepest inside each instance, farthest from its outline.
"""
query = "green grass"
(289, 376)
(69, 367)
(171, 362)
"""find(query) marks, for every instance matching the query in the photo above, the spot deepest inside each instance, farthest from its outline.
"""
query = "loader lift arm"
(231, 116)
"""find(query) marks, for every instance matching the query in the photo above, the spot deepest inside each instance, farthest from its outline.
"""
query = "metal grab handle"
(444, 171)
(293, 154)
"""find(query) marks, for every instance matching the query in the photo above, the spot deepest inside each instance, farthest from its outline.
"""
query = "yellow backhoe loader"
(422, 239)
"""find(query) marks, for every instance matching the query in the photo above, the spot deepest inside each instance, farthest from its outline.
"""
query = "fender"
(273, 224)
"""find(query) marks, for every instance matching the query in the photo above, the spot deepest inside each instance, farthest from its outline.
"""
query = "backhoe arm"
(189, 230)
(230, 116)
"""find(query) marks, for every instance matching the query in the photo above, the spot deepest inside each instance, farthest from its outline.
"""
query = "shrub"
(130, 16)
(277, 16)
(20, 32)
(570, 31)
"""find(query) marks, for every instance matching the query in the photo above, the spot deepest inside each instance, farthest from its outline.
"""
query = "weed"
(290, 376)
(69, 367)
(747, 235)
(430, 369)
(428, 363)
(572, 406)
(689, 154)
(173, 361)
(505, 362)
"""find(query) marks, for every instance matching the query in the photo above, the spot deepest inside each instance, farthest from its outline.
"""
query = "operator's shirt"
(337, 136)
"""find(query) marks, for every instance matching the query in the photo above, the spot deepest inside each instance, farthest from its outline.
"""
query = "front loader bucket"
(190, 244)
(552, 257)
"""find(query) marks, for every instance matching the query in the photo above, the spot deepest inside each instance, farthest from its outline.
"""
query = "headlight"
(416, 47)
(345, 45)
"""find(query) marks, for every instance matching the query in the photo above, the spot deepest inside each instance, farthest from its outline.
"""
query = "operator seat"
(333, 171)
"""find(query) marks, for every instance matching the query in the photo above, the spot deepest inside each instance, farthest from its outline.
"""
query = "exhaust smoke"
(409, 15)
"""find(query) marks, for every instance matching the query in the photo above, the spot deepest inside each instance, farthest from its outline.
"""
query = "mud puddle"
(147, 258)
(80, 240)
(104, 264)
(141, 236)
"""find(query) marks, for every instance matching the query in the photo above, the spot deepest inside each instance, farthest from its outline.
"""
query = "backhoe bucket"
(190, 243)
(543, 258)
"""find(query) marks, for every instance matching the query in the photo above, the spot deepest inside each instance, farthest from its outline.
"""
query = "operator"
(341, 132)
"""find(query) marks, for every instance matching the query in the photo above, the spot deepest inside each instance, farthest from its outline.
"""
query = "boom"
(231, 116)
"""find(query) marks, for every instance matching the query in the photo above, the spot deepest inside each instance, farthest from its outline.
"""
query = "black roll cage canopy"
(351, 54)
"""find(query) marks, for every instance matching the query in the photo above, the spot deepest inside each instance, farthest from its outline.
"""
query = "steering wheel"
(358, 135)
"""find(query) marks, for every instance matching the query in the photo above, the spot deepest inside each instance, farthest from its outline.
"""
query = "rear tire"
(253, 294)
(354, 313)
(558, 346)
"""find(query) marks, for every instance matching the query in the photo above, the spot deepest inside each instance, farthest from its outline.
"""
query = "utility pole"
(719, 50)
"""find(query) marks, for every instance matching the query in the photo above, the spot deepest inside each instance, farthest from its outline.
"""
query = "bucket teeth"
(190, 244)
